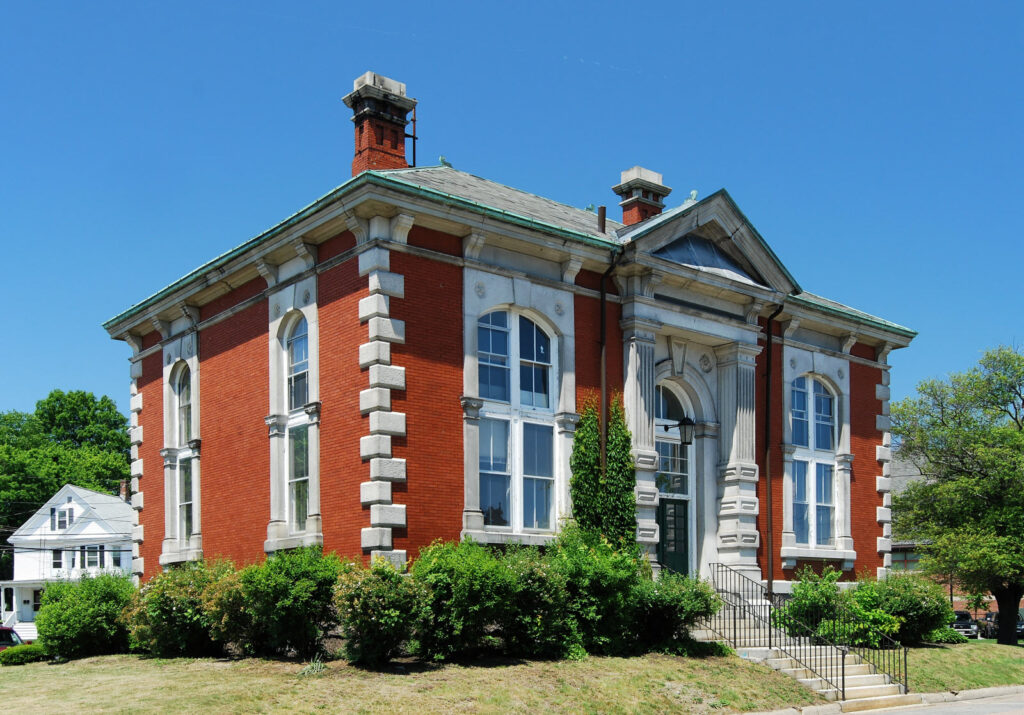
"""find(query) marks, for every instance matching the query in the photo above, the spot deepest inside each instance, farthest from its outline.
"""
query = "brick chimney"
(379, 108)
(642, 193)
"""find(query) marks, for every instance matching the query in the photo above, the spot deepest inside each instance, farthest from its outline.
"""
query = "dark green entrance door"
(674, 543)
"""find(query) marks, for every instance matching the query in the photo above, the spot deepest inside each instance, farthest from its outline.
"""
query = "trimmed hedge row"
(581, 595)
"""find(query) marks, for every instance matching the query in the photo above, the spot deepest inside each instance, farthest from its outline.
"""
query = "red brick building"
(405, 359)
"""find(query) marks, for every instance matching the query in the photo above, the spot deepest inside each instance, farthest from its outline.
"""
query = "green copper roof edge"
(367, 177)
(809, 299)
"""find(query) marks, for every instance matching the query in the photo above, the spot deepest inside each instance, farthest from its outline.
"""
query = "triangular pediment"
(712, 236)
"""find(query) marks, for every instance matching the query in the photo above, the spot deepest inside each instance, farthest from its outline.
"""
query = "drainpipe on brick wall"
(616, 256)
(769, 330)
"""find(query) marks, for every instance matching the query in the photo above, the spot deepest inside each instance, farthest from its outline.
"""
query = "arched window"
(298, 366)
(183, 392)
(517, 444)
(183, 483)
(296, 347)
(811, 402)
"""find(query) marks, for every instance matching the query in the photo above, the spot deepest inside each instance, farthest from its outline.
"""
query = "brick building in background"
(404, 360)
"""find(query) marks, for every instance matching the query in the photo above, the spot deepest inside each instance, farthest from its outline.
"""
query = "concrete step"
(804, 660)
(852, 682)
(851, 670)
(872, 691)
(884, 701)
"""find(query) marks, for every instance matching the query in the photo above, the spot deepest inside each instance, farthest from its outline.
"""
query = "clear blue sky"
(876, 146)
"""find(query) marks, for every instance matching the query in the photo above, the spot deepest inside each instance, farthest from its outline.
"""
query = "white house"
(77, 532)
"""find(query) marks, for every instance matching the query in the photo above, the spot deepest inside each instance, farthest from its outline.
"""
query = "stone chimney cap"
(381, 82)
(641, 178)
(371, 85)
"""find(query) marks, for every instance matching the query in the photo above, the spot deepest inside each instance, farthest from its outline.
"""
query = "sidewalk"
(926, 699)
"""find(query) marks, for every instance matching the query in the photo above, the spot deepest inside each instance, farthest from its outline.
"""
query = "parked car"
(9, 638)
(990, 625)
(965, 625)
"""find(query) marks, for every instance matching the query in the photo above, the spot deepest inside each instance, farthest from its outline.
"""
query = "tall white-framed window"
(296, 347)
(294, 418)
(183, 483)
(813, 437)
(517, 376)
(181, 452)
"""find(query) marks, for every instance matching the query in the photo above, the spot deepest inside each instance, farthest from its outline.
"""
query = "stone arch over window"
(294, 419)
(518, 402)
(182, 538)
(817, 459)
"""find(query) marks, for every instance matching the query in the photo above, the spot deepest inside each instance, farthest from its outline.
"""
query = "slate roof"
(504, 198)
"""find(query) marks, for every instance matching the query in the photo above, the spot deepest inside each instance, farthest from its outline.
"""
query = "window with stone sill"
(517, 374)
(297, 391)
(813, 428)
(183, 454)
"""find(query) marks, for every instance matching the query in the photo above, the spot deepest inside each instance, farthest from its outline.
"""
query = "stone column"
(314, 523)
(277, 528)
(472, 517)
(170, 544)
(565, 423)
(841, 500)
(704, 492)
(195, 541)
(638, 399)
(738, 538)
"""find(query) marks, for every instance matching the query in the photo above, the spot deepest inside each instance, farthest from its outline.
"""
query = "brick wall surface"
(588, 349)
(341, 426)
(335, 245)
(864, 438)
(232, 298)
(435, 240)
(776, 461)
(235, 463)
(432, 357)
(150, 385)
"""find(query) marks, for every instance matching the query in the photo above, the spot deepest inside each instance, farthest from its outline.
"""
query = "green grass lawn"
(653, 683)
(975, 664)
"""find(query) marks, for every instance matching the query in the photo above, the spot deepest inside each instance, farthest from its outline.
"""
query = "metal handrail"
(750, 616)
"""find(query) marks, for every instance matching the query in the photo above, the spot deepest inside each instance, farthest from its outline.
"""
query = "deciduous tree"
(966, 434)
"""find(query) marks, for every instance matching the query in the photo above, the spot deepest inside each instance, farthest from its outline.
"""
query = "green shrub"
(535, 621)
(468, 588)
(668, 607)
(601, 583)
(379, 610)
(21, 654)
(166, 617)
(921, 605)
(903, 607)
(82, 618)
(815, 599)
(285, 604)
(939, 635)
